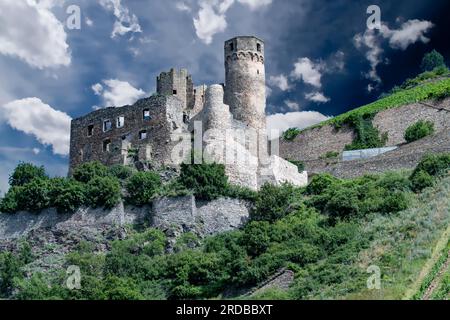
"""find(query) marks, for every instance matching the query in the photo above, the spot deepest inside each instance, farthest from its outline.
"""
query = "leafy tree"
(432, 60)
(67, 195)
(104, 191)
(142, 187)
(419, 130)
(274, 202)
(343, 203)
(121, 172)
(319, 183)
(34, 196)
(26, 172)
(9, 204)
(256, 237)
(10, 269)
(208, 180)
(85, 172)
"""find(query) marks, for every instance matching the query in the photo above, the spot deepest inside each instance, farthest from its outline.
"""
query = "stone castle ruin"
(225, 123)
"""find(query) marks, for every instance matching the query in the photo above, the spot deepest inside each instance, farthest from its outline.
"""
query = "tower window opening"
(90, 131)
(107, 125)
(258, 47)
(120, 121)
(174, 92)
(106, 145)
(146, 114)
(142, 134)
(232, 46)
(257, 71)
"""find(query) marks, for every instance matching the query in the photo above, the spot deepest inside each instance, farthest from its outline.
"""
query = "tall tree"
(432, 60)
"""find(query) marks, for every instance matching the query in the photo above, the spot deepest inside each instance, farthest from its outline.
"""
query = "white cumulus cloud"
(280, 122)
(308, 71)
(125, 21)
(181, 6)
(211, 18)
(117, 93)
(280, 81)
(256, 4)
(371, 40)
(318, 97)
(292, 105)
(33, 117)
(31, 32)
(409, 33)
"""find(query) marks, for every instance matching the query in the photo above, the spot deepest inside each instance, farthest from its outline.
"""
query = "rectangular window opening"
(106, 145)
(120, 121)
(107, 125)
(90, 130)
(142, 134)
(146, 114)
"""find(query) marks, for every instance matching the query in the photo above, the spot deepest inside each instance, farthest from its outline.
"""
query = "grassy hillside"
(328, 233)
(427, 86)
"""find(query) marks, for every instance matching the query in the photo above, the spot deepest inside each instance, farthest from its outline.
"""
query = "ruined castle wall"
(245, 89)
(314, 143)
(165, 117)
(199, 100)
(177, 83)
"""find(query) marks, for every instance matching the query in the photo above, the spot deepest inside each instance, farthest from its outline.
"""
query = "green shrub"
(10, 270)
(238, 192)
(394, 202)
(367, 136)
(432, 60)
(103, 191)
(274, 202)
(421, 180)
(208, 181)
(35, 195)
(434, 164)
(343, 203)
(300, 165)
(291, 133)
(9, 204)
(319, 183)
(85, 172)
(142, 187)
(419, 130)
(121, 172)
(24, 173)
(394, 181)
(256, 237)
(67, 195)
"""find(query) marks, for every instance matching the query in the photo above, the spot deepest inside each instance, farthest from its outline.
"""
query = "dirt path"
(437, 280)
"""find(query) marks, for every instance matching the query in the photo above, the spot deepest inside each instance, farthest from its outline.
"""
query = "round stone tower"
(245, 80)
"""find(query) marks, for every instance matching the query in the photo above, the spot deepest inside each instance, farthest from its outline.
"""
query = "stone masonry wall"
(314, 143)
(245, 87)
(165, 117)
(407, 156)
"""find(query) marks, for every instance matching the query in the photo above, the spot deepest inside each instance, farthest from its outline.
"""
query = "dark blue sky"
(314, 60)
